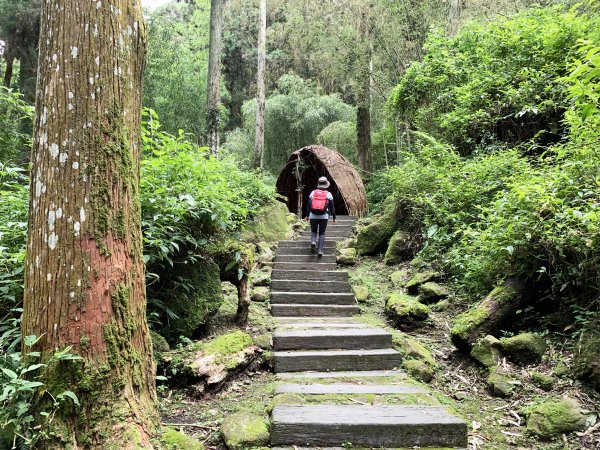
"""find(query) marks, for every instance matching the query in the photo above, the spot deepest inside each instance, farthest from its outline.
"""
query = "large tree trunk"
(214, 76)
(259, 139)
(363, 112)
(84, 280)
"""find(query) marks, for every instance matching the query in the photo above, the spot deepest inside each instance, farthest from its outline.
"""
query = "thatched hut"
(302, 170)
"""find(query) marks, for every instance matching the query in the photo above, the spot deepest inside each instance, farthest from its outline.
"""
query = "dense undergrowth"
(502, 177)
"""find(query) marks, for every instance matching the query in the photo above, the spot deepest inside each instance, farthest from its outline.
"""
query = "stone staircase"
(339, 380)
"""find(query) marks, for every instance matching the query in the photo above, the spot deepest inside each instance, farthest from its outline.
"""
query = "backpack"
(319, 202)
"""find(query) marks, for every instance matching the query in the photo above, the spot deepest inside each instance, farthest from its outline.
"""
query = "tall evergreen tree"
(259, 139)
(214, 75)
(84, 281)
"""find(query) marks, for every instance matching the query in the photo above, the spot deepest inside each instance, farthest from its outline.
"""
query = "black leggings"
(320, 224)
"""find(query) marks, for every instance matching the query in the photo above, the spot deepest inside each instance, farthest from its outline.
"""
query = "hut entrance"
(301, 173)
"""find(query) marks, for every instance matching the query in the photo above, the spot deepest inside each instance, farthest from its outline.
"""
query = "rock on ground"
(555, 417)
(524, 348)
(405, 310)
(346, 256)
(420, 278)
(399, 248)
(174, 440)
(244, 430)
(260, 294)
(487, 351)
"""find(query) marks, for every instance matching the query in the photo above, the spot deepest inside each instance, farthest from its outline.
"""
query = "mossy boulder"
(524, 348)
(543, 381)
(347, 256)
(399, 248)
(345, 243)
(195, 304)
(418, 370)
(405, 310)
(399, 277)
(412, 349)
(441, 306)
(271, 224)
(244, 430)
(266, 255)
(586, 358)
(432, 292)
(361, 293)
(260, 294)
(172, 439)
(412, 286)
(264, 341)
(373, 238)
(418, 263)
(487, 351)
(487, 316)
(159, 343)
(555, 417)
(261, 277)
(499, 383)
(561, 369)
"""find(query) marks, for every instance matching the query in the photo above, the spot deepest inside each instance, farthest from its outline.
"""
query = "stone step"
(365, 425)
(348, 339)
(353, 375)
(304, 249)
(321, 326)
(304, 275)
(307, 265)
(309, 284)
(301, 243)
(328, 233)
(333, 360)
(279, 310)
(348, 388)
(326, 258)
(312, 298)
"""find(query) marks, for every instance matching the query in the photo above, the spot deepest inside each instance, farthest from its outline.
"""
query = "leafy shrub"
(14, 114)
(340, 136)
(494, 84)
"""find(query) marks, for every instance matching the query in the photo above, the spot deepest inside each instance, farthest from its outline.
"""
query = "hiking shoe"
(320, 253)
(313, 247)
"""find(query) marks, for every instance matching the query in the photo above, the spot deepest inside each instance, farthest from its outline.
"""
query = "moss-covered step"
(330, 275)
(305, 265)
(347, 388)
(309, 285)
(326, 258)
(370, 338)
(333, 360)
(279, 310)
(312, 298)
(370, 426)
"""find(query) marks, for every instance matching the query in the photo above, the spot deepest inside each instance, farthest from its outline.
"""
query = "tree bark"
(10, 59)
(259, 139)
(84, 273)
(214, 76)
(363, 112)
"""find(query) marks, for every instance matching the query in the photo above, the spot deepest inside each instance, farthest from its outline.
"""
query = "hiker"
(320, 205)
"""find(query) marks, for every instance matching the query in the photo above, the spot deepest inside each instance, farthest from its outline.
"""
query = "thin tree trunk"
(259, 139)
(10, 59)
(84, 273)
(363, 112)
(455, 8)
(214, 76)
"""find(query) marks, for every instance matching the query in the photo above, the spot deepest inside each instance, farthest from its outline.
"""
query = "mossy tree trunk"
(243, 288)
(363, 111)
(84, 281)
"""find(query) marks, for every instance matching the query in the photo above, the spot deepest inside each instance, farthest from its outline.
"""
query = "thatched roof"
(316, 161)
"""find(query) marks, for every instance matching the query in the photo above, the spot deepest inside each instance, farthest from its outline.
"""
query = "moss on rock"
(586, 358)
(418, 370)
(405, 310)
(487, 351)
(260, 294)
(244, 430)
(227, 344)
(361, 293)
(553, 418)
(261, 277)
(172, 439)
(399, 277)
(195, 304)
(543, 381)
(432, 292)
(420, 278)
(347, 256)
(412, 349)
(373, 237)
(264, 341)
(159, 344)
(524, 348)
(270, 225)
(399, 248)
(499, 384)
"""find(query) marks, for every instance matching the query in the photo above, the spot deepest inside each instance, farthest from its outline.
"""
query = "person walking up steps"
(320, 205)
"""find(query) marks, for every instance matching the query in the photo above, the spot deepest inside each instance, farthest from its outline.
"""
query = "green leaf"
(9, 373)
(71, 395)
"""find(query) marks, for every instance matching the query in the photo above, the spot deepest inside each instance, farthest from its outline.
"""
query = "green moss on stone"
(553, 418)
(418, 369)
(174, 440)
(361, 293)
(499, 384)
(543, 381)
(227, 344)
(399, 277)
(271, 224)
(432, 292)
(373, 237)
(412, 286)
(412, 349)
(159, 343)
(487, 351)
(524, 348)
(347, 256)
(586, 358)
(244, 430)
(399, 248)
(405, 310)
